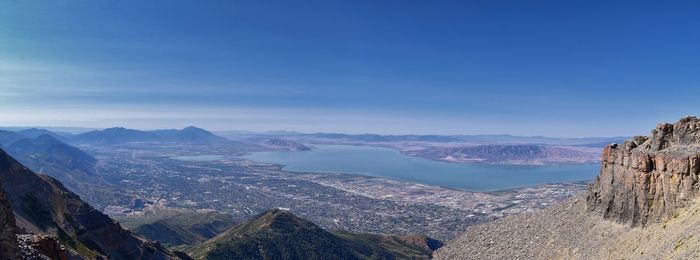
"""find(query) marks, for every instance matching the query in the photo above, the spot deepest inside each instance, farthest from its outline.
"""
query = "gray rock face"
(647, 178)
(9, 248)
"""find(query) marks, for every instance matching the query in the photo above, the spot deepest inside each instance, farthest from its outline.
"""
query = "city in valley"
(156, 180)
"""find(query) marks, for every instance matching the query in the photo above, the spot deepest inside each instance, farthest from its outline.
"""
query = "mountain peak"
(118, 135)
(278, 220)
(191, 128)
(279, 234)
(116, 128)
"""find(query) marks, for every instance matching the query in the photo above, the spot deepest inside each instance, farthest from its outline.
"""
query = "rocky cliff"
(9, 249)
(647, 178)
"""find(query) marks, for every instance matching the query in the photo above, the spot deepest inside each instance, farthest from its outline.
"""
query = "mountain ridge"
(279, 234)
(42, 205)
(119, 135)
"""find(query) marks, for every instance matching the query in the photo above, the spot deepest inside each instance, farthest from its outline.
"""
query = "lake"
(384, 162)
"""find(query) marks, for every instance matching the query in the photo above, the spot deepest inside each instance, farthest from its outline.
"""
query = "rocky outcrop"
(647, 178)
(9, 249)
(44, 247)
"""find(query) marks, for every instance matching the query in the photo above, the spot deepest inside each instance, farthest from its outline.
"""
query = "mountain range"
(472, 139)
(118, 135)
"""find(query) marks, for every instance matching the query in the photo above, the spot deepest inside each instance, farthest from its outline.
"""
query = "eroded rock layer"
(648, 177)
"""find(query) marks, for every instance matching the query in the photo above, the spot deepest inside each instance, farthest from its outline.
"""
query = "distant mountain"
(114, 135)
(47, 151)
(603, 144)
(524, 154)
(539, 140)
(8, 137)
(73, 167)
(278, 234)
(383, 138)
(119, 135)
(283, 144)
(43, 206)
(189, 134)
(472, 139)
(63, 131)
(36, 132)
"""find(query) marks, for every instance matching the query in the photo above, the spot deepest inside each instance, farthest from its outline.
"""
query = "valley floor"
(349, 202)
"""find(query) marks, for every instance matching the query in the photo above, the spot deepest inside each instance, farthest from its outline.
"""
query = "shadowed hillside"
(278, 234)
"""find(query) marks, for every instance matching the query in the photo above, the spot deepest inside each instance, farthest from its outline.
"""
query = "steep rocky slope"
(43, 206)
(642, 205)
(74, 168)
(9, 248)
(278, 234)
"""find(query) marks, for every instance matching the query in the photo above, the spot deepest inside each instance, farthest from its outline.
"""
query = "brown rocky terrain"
(642, 205)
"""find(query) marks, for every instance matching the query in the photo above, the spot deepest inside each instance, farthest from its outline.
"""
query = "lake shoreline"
(466, 177)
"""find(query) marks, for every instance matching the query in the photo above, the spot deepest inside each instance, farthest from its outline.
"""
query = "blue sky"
(554, 68)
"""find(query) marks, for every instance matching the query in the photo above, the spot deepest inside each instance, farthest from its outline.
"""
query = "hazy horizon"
(84, 129)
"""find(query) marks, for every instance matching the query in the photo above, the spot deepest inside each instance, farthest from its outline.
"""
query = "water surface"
(384, 162)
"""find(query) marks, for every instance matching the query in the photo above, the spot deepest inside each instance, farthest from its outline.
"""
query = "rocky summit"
(642, 205)
(648, 178)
